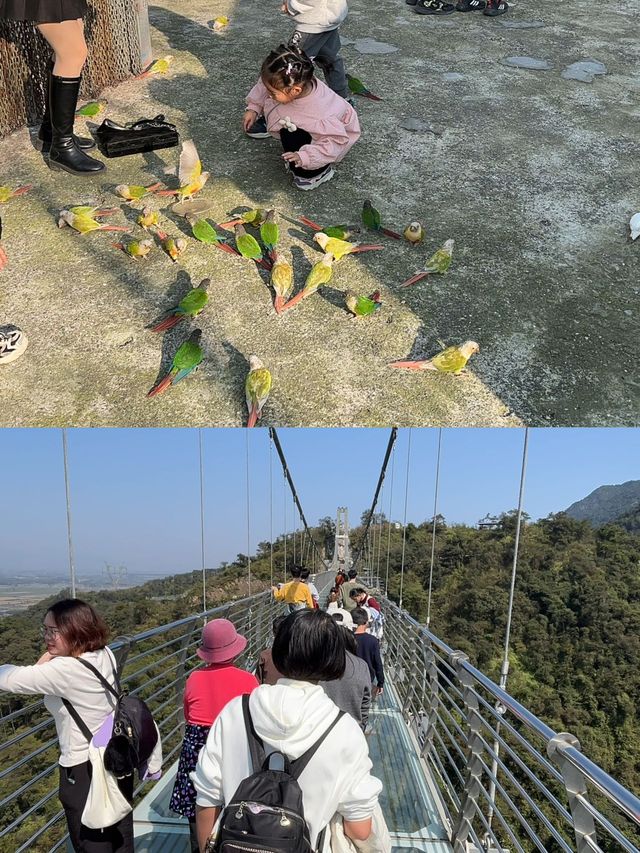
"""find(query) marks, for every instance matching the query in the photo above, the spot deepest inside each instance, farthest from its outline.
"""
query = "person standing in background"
(295, 594)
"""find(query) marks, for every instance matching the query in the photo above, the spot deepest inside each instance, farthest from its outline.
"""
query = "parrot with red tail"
(450, 360)
(257, 389)
(358, 88)
(186, 359)
(371, 219)
(3, 255)
(193, 303)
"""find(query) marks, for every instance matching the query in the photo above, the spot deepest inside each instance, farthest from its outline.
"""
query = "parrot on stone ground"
(174, 247)
(281, 281)
(3, 255)
(371, 219)
(249, 247)
(190, 174)
(270, 234)
(438, 263)
(257, 387)
(358, 88)
(253, 217)
(450, 360)
(134, 192)
(84, 223)
(219, 23)
(186, 359)
(92, 109)
(160, 66)
(413, 233)
(320, 273)
(340, 232)
(6, 193)
(634, 226)
(91, 212)
(189, 307)
(148, 218)
(340, 248)
(205, 232)
(362, 306)
(135, 248)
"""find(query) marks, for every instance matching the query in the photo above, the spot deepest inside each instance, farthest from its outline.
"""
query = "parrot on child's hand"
(362, 306)
(189, 307)
(320, 273)
(340, 248)
(450, 360)
(438, 263)
(257, 387)
(281, 281)
(186, 359)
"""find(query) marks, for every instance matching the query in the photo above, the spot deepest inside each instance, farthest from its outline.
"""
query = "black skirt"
(42, 11)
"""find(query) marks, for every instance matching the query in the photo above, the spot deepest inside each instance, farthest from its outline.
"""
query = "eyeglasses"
(49, 632)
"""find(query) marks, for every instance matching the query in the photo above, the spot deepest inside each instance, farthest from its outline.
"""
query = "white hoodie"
(289, 717)
(317, 16)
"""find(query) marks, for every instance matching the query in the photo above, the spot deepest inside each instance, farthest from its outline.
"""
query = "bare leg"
(69, 46)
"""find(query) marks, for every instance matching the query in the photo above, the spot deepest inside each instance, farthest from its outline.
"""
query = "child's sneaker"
(312, 183)
(258, 129)
(471, 5)
(13, 342)
(495, 7)
(433, 7)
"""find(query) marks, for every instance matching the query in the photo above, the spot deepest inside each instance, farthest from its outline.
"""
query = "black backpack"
(266, 814)
(134, 734)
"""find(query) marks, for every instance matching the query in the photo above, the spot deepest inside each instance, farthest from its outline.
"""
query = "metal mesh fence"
(111, 29)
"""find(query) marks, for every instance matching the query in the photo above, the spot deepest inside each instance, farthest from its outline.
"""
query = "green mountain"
(607, 503)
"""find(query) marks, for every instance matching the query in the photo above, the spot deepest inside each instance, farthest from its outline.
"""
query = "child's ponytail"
(285, 67)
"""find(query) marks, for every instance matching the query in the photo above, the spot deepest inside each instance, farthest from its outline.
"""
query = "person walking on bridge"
(345, 590)
(295, 594)
(368, 648)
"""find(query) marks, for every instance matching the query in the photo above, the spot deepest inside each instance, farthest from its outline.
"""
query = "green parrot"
(186, 359)
(190, 306)
(358, 88)
(135, 248)
(253, 217)
(320, 273)
(340, 248)
(281, 281)
(257, 388)
(148, 218)
(92, 109)
(362, 306)
(371, 219)
(84, 223)
(270, 234)
(134, 192)
(439, 263)
(174, 247)
(450, 360)
(249, 247)
(205, 232)
(91, 212)
(340, 232)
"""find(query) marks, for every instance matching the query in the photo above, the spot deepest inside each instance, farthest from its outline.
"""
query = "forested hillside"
(607, 503)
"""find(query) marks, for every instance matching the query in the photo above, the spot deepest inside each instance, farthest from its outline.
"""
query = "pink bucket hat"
(220, 642)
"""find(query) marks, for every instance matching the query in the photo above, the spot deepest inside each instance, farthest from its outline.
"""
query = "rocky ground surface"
(527, 159)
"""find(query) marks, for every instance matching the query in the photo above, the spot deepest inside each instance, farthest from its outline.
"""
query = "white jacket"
(317, 16)
(290, 716)
(65, 677)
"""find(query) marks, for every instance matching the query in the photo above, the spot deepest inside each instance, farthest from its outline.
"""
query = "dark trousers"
(73, 793)
(293, 140)
(324, 50)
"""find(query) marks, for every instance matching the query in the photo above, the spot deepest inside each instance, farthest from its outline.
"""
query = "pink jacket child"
(315, 125)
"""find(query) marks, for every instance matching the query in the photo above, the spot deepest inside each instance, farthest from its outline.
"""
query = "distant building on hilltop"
(489, 522)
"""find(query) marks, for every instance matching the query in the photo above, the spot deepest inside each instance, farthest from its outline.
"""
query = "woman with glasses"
(72, 629)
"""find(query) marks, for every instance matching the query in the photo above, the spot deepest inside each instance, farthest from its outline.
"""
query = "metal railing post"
(576, 786)
(472, 782)
(431, 667)
(182, 659)
(122, 653)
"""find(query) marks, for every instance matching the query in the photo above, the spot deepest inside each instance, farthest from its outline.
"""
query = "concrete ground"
(535, 177)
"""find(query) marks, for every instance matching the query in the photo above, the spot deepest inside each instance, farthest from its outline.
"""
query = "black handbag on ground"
(146, 134)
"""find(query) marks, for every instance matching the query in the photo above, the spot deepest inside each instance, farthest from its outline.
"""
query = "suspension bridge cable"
(271, 508)
(246, 432)
(202, 563)
(433, 531)
(404, 523)
(295, 528)
(72, 568)
(289, 479)
(393, 465)
(284, 510)
(380, 526)
(392, 438)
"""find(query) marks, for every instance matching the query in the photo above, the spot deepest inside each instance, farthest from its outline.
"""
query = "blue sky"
(135, 493)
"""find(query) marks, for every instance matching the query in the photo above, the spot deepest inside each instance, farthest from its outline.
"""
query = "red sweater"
(209, 689)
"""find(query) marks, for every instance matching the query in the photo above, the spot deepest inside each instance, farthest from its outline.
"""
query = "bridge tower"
(341, 550)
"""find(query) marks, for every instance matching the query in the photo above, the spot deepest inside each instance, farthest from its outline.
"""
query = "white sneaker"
(13, 342)
(312, 183)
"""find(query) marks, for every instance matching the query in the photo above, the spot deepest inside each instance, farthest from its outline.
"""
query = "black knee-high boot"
(64, 153)
(45, 132)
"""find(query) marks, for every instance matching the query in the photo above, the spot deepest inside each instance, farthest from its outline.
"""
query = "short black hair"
(352, 574)
(296, 571)
(285, 67)
(357, 590)
(349, 640)
(308, 646)
(277, 622)
(304, 574)
(360, 616)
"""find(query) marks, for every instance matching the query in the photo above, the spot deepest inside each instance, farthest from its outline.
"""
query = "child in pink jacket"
(316, 126)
